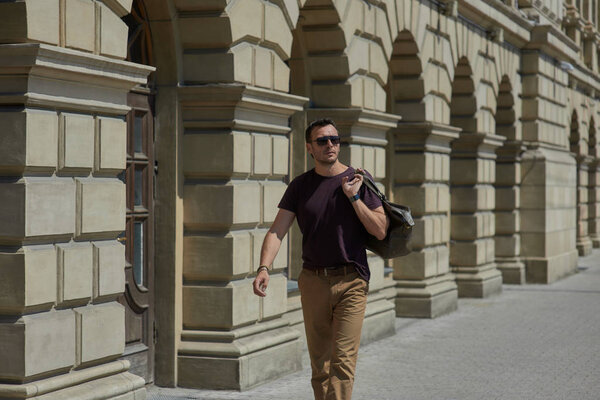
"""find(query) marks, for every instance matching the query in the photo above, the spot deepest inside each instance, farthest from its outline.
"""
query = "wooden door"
(138, 298)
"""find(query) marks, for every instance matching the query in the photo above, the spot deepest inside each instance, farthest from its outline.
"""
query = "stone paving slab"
(531, 342)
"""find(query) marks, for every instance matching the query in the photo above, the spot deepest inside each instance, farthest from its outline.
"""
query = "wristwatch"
(354, 198)
(261, 268)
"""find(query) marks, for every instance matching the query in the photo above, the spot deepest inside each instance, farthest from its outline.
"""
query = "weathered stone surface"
(76, 149)
(223, 306)
(112, 144)
(102, 331)
(218, 256)
(27, 136)
(100, 205)
(28, 279)
(75, 271)
(37, 344)
(113, 34)
(80, 29)
(109, 267)
(211, 206)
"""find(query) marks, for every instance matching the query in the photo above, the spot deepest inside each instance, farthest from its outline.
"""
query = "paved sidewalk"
(530, 342)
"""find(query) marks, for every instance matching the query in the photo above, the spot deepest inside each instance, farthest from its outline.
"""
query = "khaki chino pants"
(334, 309)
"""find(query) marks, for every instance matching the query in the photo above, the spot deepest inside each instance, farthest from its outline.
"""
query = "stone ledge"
(57, 383)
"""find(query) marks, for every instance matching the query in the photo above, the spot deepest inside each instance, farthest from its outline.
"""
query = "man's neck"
(330, 169)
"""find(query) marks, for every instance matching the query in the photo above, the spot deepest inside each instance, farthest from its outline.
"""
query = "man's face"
(324, 152)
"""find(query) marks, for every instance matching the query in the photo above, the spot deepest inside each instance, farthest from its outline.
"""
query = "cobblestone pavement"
(530, 342)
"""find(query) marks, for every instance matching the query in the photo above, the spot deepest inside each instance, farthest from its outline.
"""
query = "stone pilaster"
(420, 174)
(508, 218)
(472, 246)
(594, 203)
(363, 145)
(584, 243)
(548, 172)
(548, 213)
(62, 146)
(234, 160)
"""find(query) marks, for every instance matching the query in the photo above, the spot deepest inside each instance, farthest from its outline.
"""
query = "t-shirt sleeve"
(368, 197)
(289, 201)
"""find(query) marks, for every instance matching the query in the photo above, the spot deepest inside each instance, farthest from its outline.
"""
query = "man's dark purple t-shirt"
(332, 234)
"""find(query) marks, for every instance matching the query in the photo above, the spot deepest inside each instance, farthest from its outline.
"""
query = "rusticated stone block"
(37, 207)
(28, 279)
(219, 306)
(101, 205)
(109, 267)
(418, 265)
(275, 303)
(472, 253)
(262, 154)
(507, 246)
(36, 344)
(280, 261)
(507, 198)
(80, 24)
(276, 28)
(101, 331)
(508, 222)
(217, 257)
(221, 206)
(280, 155)
(472, 226)
(272, 193)
(75, 271)
(113, 34)
(473, 198)
(76, 148)
(35, 20)
(112, 144)
(27, 136)
(234, 151)
(421, 199)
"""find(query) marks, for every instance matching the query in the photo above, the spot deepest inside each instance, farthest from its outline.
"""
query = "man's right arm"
(270, 247)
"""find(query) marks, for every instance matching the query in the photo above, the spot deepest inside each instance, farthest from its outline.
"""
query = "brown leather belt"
(337, 270)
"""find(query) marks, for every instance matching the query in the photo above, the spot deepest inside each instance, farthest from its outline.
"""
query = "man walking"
(335, 212)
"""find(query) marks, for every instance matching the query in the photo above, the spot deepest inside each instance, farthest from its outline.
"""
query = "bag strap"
(371, 185)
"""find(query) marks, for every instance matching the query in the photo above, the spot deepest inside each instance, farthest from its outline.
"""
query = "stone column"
(420, 174)
(594, 203)
(584, 243)
(363, 135)
(472, 228)
(62, 146)
(508, 218)
(235, 158)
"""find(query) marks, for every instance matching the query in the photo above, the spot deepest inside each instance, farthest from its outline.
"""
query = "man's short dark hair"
(316, 124)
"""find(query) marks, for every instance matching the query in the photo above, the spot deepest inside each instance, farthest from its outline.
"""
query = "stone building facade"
(145, 144)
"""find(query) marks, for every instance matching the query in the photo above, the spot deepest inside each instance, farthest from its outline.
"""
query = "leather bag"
(397, 241)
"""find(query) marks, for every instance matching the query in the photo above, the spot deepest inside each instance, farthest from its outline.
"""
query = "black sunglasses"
(322, 141)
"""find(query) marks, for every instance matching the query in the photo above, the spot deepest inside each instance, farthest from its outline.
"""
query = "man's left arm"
(374, 220)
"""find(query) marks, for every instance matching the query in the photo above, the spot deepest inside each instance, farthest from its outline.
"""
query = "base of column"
(478, 282)
(512, 270)
(584, 246)
(550, 269)
(106, 382)
(595, 241)
(238, 359)
(427, 298)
